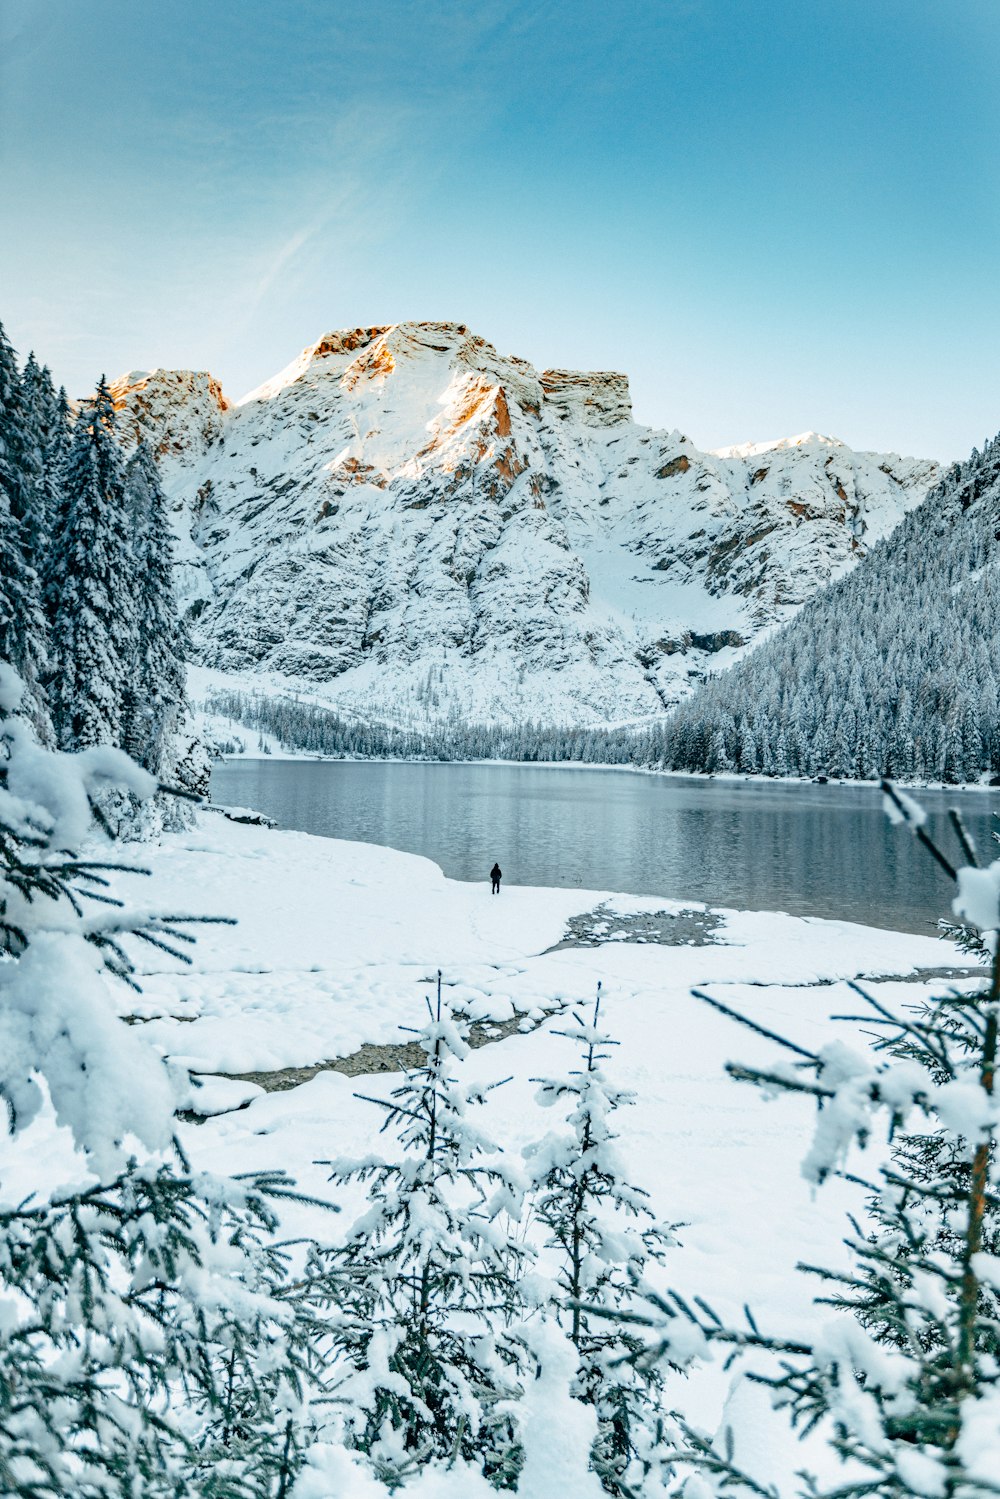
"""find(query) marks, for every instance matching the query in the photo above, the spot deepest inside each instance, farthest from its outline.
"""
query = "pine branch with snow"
(159, 1345)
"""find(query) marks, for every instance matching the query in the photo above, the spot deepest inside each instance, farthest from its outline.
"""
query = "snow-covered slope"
(408, 523)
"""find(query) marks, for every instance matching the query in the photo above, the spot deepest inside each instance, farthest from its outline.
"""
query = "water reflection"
(811, 850)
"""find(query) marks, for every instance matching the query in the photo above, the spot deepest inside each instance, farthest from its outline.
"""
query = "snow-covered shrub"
(426, 1299)
(905, 1377)
(602, 1234)
(152, 1338)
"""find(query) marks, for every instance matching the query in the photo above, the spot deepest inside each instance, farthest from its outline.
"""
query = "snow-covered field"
(336, 944)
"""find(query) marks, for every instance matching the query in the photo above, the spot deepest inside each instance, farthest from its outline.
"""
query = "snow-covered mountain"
(410, 524)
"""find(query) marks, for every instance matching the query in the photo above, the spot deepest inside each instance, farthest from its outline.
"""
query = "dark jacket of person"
(496, 873)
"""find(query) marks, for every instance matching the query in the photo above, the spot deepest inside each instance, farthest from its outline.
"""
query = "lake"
(758, 845)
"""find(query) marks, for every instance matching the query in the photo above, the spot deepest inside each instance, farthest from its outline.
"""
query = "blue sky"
(773, 214)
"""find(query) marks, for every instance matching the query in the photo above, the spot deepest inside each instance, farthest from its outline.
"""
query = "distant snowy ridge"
(410, 525)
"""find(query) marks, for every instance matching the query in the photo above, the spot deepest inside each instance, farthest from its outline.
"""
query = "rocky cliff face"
(412, 525)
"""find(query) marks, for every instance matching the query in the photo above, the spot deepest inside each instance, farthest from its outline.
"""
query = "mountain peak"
(778, 445)
(354, 355)
(168, 407)
(411, 522)
(599, 398)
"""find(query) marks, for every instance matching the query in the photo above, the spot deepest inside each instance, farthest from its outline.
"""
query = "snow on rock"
(595, 400)
(412, 524)
(169, 408)
(219, 1095)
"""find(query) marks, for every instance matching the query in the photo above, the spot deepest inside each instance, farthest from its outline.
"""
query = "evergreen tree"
(781, 754)
(60, 433)
(22, 623)
(603, 1236)
(37, 398)
(32, 465)
(92, 585)
(426, 1280)
(49, 418)
(155, 693)
(718, 755)
(749, 758)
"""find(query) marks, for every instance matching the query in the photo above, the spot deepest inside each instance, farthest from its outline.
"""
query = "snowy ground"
(338, 942)
(336, 945)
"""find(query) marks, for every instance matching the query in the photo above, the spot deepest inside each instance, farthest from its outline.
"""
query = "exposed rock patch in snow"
(391, 1057)
(690, 926)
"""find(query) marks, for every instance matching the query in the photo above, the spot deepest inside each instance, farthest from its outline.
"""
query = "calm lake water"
(810, 850)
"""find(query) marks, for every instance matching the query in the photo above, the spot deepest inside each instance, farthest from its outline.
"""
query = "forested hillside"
(316, 730)
(893, 670)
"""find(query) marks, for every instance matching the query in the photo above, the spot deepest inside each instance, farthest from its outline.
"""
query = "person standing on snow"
(496, 875)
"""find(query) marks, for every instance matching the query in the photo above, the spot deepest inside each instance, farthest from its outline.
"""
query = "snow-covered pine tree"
(931, 1166)
(907, 1378)
(718, 755)
(163, 1347)
(92, 585)
(602, 1233)
(49, 421)
(60, 434)
(153, 1340)
(36, 398)
(257, 1407)
(427, 1295)
(154, 698)
(12, 579)
(22, 620)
